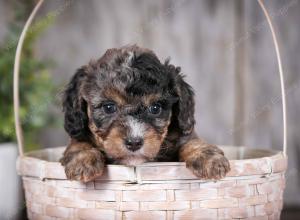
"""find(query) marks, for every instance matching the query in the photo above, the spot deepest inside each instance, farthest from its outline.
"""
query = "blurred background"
(224, 48)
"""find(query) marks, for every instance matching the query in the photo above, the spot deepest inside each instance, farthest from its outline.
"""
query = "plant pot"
(11, 202)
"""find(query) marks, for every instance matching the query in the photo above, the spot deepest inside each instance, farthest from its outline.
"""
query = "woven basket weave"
(253, 189)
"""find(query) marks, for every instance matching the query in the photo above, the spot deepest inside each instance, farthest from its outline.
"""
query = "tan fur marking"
(204, 160)
(190, 147)
(149, 99)
(113, 144)
(153, 141)
(115, 95)
(76, 146)
(98, 141)
(82, 161)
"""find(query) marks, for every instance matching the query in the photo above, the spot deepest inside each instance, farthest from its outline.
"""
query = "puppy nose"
(133, 144)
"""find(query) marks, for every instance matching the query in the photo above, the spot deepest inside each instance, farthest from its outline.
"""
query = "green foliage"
(36, 88)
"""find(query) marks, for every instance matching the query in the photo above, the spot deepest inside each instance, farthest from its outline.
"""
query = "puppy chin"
(132, 160)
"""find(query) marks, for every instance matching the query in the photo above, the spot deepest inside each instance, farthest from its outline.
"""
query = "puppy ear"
(184, 109)
(186, 106)
(75, 108)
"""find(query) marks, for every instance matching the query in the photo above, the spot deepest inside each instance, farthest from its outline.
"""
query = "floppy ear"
(184, 109)
(186, 106)
(75, 108)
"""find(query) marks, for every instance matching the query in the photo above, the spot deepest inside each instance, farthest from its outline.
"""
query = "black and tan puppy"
(129, 108)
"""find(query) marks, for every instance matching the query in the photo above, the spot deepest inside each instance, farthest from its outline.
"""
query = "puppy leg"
(82, 161)
(204, 160)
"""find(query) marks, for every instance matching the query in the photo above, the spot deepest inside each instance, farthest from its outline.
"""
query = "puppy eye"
(155, 109)
(109, 108)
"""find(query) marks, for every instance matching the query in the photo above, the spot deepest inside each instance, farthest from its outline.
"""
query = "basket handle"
(19, 132)
(283, 92)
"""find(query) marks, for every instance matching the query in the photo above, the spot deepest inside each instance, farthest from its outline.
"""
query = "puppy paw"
(83, 166)
(208, 163)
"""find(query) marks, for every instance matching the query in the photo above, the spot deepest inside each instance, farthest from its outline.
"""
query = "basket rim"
(269, 152)
(30, 165)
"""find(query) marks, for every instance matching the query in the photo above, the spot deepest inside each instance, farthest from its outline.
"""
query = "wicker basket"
(253, 189)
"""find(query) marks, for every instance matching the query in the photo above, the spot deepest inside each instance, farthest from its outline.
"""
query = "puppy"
(129, 108)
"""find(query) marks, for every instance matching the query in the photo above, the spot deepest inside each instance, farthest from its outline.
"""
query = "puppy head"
(126, 102)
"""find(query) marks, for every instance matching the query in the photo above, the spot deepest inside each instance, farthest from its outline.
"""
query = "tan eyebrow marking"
(149, 99)
(115, 95)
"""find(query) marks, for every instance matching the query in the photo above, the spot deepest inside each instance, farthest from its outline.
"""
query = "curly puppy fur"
(129, 108)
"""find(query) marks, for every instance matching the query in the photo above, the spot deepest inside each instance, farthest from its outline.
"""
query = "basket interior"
(231, 152)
